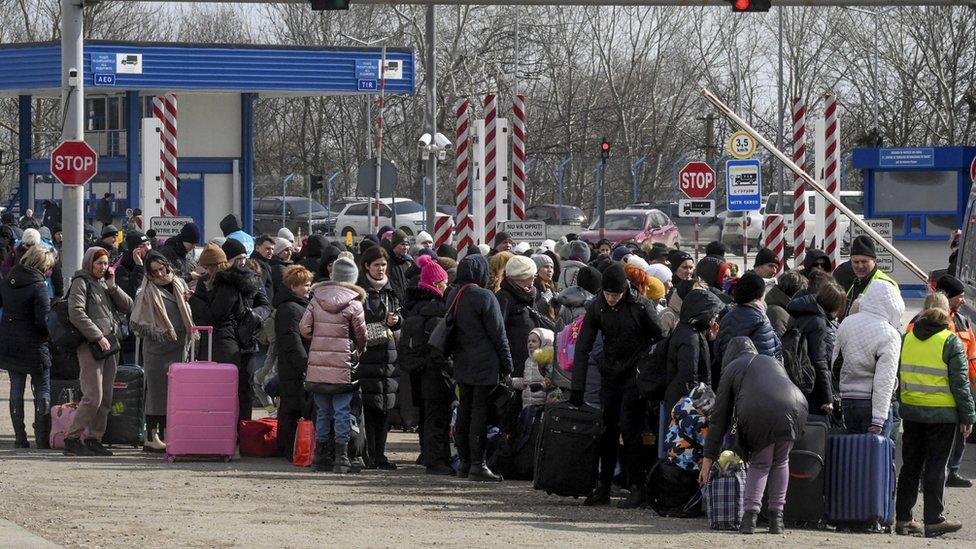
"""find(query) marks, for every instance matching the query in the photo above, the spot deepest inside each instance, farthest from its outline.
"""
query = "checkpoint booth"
(215, 87)
(924, 192)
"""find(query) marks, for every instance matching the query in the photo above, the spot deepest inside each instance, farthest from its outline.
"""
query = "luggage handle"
(193, 348)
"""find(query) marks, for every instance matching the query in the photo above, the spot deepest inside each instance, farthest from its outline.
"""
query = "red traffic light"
(741, 6)
(605, 146)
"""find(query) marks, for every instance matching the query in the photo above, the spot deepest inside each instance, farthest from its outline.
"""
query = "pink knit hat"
(430, 272)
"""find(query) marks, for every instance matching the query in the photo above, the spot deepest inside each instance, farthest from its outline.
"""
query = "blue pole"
(132, 160)
(247, 160)
(24, 151)
(328, 197)
(634, 168)
(680, 161)
(560, 175)
(284, 192)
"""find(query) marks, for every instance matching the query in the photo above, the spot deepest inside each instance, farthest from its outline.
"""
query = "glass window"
(95, 113)
(385, 211)
(357, 209)
(407, 207)
(854, 202)
(622, 222)
(114, 114)
(940, 224)
(915, 191)
(301, 207)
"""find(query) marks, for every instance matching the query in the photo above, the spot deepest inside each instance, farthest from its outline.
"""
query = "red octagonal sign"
(696, 180)
(74, 163)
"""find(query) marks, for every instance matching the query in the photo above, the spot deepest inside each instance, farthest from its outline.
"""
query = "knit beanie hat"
(286, 234)
(344, 270)
(281, 244)
(542, 260)
(950, 286)
(430, 271)
(548, 244)
(212, 255)
(484, 249)
(502, 237)
(423, 237)
(715, 248)
(189, 233)
(657, 253)
(655, 289)
(579, 251)
(446, 250)
(399, 237)
(660, 272)
(620, 252)
(676, 258)
(615, 279)
(750, 287)
(765, 256)
(134, 239)
(109, 230)
(233, 248)
(589, 279)
(383, 230)
(520, 267)
(864, 245)
(520, 248)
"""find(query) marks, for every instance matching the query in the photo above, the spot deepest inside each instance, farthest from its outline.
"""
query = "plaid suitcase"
(725, 494)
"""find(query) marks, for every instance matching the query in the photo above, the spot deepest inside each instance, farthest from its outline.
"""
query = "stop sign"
(74, 163)
(696, 180)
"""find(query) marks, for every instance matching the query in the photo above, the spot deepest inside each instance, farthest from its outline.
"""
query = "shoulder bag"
(441, 337)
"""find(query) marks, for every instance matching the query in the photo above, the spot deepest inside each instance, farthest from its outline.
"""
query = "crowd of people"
(329, 333)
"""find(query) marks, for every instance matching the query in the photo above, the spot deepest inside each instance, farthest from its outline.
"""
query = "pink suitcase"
(61, 418)
(201, 407)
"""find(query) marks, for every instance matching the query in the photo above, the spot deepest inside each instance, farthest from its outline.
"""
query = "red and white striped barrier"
(830, 176)
(443, 229)
(799, 187)
(774, 234)
(464, 222)
(491, 167)
(164, 108)
(518, 159)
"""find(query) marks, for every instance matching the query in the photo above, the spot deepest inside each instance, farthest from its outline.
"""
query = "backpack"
(64, 334)
(652, 371)
(796, 359)
(413, 344)
(566, 344)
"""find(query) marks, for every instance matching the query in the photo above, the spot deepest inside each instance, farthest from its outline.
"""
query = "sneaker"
(956, 481)
(908, 528)
(74, 447)
(387, 466)
(441, 470)
(944, 527)
(96, 448)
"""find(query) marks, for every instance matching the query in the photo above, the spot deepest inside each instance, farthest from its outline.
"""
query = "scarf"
(149, 318)
(378, 284)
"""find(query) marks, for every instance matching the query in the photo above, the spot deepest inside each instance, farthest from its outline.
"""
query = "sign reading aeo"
(696, 180)
(74, 163)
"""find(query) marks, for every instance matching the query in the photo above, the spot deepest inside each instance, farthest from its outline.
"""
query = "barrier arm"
(730, 114)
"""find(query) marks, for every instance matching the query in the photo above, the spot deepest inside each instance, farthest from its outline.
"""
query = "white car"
(852, 199)
(355, 217)
(732, 231)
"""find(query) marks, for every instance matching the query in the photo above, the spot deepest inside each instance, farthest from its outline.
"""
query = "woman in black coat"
(24, 346)
(481, 357)
(814, 316)
(516, 299)
(377, 370)
(689, 348)
(290, 304)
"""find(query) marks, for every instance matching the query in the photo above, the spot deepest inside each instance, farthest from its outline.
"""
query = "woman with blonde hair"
(496, 270)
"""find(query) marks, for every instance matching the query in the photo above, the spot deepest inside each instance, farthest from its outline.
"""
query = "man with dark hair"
(960, 325)
(263, 252)
(178, 250)
(503, 243)
(104, 213)
(767, 263)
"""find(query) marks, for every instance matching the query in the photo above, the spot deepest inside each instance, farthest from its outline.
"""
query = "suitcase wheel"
(227, 459)
(170, 458)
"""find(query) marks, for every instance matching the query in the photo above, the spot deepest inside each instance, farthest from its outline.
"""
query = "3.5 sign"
(742, 145)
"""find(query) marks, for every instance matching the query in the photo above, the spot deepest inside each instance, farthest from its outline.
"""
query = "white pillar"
(72, 104)
(478, 181)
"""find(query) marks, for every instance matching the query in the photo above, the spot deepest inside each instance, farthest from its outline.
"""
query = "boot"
(748, 524)
(481, 473)
(97, 449)
(440, 470)
(944, 527)
(153, 443)
(599, 497)
(342, 463)
(42, 424)
(634, 500)
(463, 469)
(75, 447)
(17, 418)
(322, 459)
(776, 525)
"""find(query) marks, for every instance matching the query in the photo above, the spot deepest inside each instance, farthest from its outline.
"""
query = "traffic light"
(315, 183)
(605, 150)
(329, 5)
(742, 6)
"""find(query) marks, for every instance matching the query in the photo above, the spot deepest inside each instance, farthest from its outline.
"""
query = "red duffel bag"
(258, 438)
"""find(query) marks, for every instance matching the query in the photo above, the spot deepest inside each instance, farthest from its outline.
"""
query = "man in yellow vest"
(864, 262)
(960, 325)
(936, 401)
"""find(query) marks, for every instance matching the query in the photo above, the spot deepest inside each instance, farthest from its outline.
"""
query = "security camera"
(442, 141)
(424, 140)
(73, 78)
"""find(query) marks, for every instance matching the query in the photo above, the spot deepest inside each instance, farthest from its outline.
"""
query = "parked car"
(732, 231)
(709, 229)
(637, 225)
(553, 215)
(354, 217)
(852, 199)
(448, 209)
(267, 215)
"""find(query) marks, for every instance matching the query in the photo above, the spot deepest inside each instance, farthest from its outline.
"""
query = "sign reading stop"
(74, 163)
(696, 180)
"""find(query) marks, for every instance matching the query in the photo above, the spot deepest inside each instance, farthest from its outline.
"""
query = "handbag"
(377, 333)
(99, 354)
(441, 336)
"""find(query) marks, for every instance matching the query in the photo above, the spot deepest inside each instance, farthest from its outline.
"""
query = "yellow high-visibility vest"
(924, 377)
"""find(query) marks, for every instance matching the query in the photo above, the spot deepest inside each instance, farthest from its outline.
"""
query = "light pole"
(284, 193)
(634, 168)
(73, 126)
(560, 176)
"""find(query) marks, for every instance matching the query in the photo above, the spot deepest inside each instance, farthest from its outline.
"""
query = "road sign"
(367, 85)
(167, 227)
(128, 63)
(886, 263)
(533, 232)
(74, 163)
(743, 185)
(696, 180)
(366, 178)
(741, 145)
(104, 79)
(103, 63)
(696, 208)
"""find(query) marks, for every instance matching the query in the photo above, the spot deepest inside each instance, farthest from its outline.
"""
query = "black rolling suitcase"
(127, 421)
(568, 449)
(805, 494)
(64, 391)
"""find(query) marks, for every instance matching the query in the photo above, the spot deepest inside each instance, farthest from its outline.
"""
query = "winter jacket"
(292, 348)
(568, 270)
(94, 308)
(757, 394)
(181, 260)
(336, 324)
(954, 357)
(776, 303)
(537, 375)
(871, 345)
(819, 330)
(237, 308)
(128, 275)
(397, 273)
(628, 328)
(745, 320)
(377, 371)
(436, 383)
(480, 349)
(278, 267)
(689, 356)
(517, 308)
(572, 304)
(13, 258)
(24, 345)
(860, 285)
(265, 276)
(312, 253)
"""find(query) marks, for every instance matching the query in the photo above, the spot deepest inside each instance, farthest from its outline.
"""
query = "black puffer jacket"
(436, 383)
(237, 307)
(820, 332)
(481, 353)
(756, 391)
(128, 275)
(377, 370)
(517, 308)
(689, 354)
(312, 256)
(629, 327)
(397, 271)
(181, 260)
(278, 267)
(24, 347)
(745, 320)
(292, 349)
